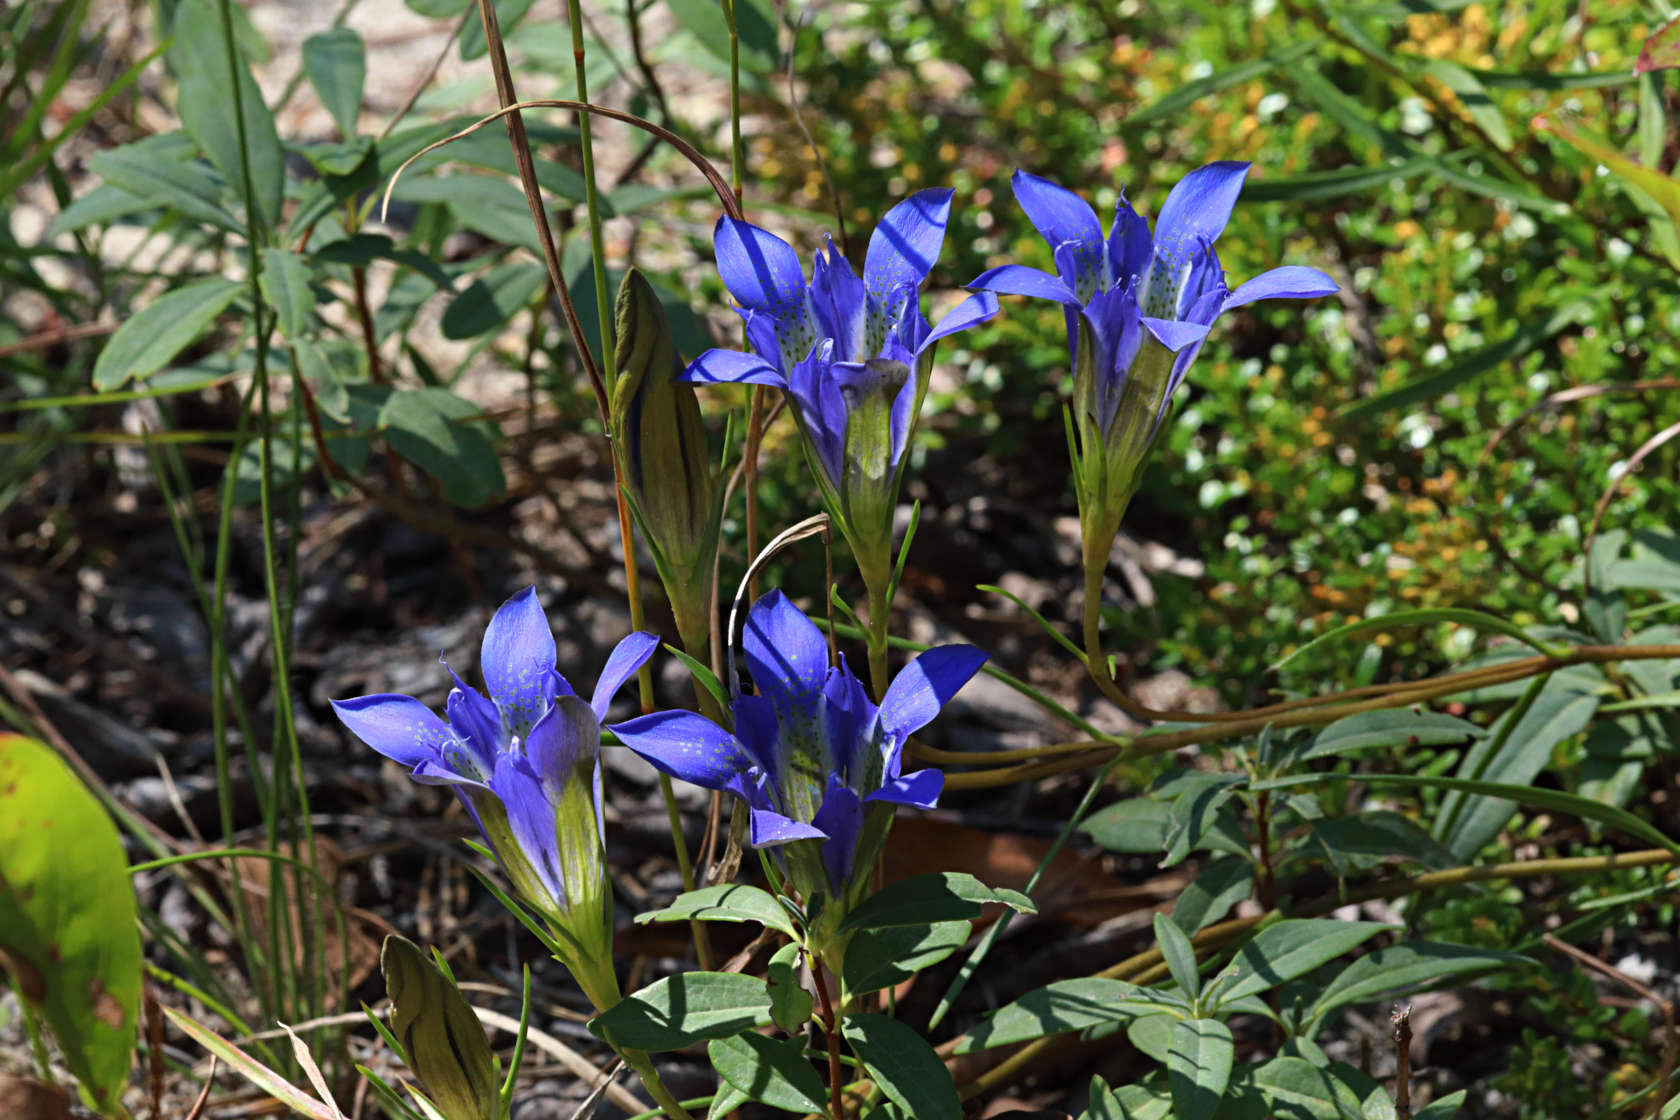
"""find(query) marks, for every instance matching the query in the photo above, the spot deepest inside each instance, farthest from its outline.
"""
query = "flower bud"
(661, 444)
(440, 1035)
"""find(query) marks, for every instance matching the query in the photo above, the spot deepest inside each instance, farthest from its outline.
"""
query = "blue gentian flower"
(1139, 307)
(852, 353)
(811, 751)
(526, 764)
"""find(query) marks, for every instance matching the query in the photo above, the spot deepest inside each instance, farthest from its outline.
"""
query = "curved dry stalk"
(1633, 462)
(688, 151)
(1567, 396)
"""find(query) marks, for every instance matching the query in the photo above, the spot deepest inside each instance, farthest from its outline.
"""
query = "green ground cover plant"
(1341, 650)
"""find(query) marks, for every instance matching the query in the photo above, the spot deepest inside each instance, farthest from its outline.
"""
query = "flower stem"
(880, 609)
(644, 688)
(639, 1061)
(830, 1024)
(592, 201)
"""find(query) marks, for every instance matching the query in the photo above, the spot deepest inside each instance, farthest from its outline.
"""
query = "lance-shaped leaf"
(441, 1037)
(68, 936)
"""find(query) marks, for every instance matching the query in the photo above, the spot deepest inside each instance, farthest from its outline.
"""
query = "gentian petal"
(566, 738)
(430, 772)
(760, 270)
(1062, 217)
(687, 746)
(822, 410)
(1173, 334)
(398, 727)
(1129, 243)
(629, 655)
(1020, 280)
(919, 789)
(786, 655)
(475, 719)
(925, 685)
(840, 302)
(1292, 281)
(841, 818)
(517, 658)
(1115, 328)
(755, 729)
(768, 828)
(1197, 209)
(530, 818)
(971, 312)
(733, 367)
(847, 715)
(904, 247)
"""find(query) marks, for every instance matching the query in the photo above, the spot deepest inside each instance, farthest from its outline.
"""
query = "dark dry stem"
(1401, 1019)
(831, 1031)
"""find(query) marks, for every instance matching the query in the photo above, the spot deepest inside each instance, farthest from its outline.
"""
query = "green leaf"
(702, 673)
(770, 1072)
(485, 204)
(159, 172)
(1446, 1108)
(102, 205)
(942, 897)
(508, 15)
(253, 1071)
(1195, 811)
(1373, 836)
(684, 1009)
(1407, 967)
(790, 1003)
(1317, 186)
(206, 106)
(69, 936)
(285, 284)
(362, 249)
(336, 64)
(1293, 948)
(1179, 956)
(1559, 712)
(1661, 50)
(726, 902)
(1171, 106)
(156, 333)
(425, 427)
(1304, 1090)
(1463, 616)
(754, 23)
(1524, 339)
(1393, 727)
(1066, 1005)
(880, 958)
(904, 1066)
(1219, 886)
(1141, 825)
(1550, 799)
(1199, 1067)
(493, 299)
(441, 1038)
(1474, 97)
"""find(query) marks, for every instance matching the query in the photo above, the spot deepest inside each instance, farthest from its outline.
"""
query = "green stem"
(644, 687)
(655, 1085)
(737, 153)
(880, 609)
(592, 203)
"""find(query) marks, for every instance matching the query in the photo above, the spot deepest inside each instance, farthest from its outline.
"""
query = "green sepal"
(441, 1037)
